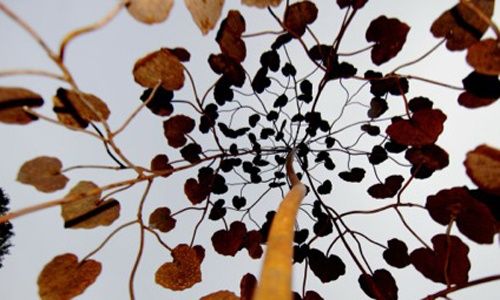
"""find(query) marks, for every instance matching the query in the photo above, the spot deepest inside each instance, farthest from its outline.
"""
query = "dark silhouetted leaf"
(448, 251)
(175, 129)
(378, 106)
(160, 104)
(253, 239)
(218, 210)
(233, 71)
(229, 242)
(325, 187)
(431, 157)
(484, 86)
(389, 36)
(388, 189)
(191, 152)
(354, 175)
(419, 103)
(397, 254)
(325, 268)
(423, 128)
(160, 164)
(356, 4)
(378, 155)
(379, 286)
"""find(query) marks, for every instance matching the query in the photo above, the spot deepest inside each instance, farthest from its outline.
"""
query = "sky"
(102, 62)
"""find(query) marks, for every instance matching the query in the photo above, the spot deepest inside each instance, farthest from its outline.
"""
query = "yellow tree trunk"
(276, 275)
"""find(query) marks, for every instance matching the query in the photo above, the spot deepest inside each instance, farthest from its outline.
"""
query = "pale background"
(101, 63)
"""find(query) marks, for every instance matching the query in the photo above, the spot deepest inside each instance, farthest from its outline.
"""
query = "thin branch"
(449, 290)
(43, 73)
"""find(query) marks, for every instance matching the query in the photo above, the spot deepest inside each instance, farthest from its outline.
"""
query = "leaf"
(159, 66)
(229, 242)
(423, 128)
(160, 164)
(298, 16)
(396, 254)
(325, 268)
(221, 295)
(44, 173)
(205, 13)
(247, 285)
(161, 219)
(389, 35)
(176, 128)
(483, 167)
(261, 3)
(312, 295)
(88, 212)
(78, 109)
(150, 11)
(65, 278)
(353, 175)
(379, 286)
(12, 101)
(161, 103)
(470, 100)
(218, 210)
(473, 218)
(427, 159)
(356, 4)
(229, 36)
(448, 251)
(191, 153)
(183, 272)
(378, 155)
(388, 189)
(252, 243)
(195, 191)
(232, 70)
(461, 26)
(325, 188)
(378, 107)
(484, 57)
(481, 85)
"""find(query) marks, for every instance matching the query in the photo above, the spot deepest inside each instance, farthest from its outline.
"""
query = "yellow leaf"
(183, 272)
(159, 66)
(64, 277)
(483, 167)
(261, 3)
(89, 212)
(205, 13)
(150, 11)
(44, 173)
(12, 101)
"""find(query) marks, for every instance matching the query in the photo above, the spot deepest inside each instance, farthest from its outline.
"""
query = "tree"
(374, 129)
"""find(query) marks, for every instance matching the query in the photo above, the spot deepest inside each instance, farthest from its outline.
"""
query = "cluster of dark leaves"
(6, 228)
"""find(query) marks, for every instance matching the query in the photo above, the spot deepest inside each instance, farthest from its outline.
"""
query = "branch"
(458, 287)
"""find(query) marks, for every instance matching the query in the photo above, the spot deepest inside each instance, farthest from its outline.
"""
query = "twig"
(43, 73)
(458, 287)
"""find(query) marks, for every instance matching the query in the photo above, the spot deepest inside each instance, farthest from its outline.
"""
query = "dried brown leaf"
(64, 277)
(221, 295)
(150, 11)
(159, 66)
(183, 272)
(12, 101)
(161, 219)
(483, 167)
(78, 109)
(176, 128)
(484, 57)
(261, 3)
(298, 16)
(389, 35)
(229, 36)
(89, 211)
(423, 128)
(44, 173)
(205, 13)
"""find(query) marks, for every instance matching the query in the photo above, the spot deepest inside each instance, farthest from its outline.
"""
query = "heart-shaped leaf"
(159, 66)
(44, 173)
(161, 219)
(325, 268)
(150, 11)
(88, 212)
(161, 165)
(298, 16)
(484, 57)
(160, 104)
(65, 278)
(427, 159)
(12, 101)
(176, 128)
(449, 252)
(423, 128)
(483, 167)
(379, 286)
(183, 272)
(229, 242)
(396, 254)
(354, 175)
(388, 189)
(205, 13)
(389, 35)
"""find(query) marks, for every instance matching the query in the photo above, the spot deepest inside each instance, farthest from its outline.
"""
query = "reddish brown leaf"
(161, 219)
(423, 128)
(175, 129)
(461, 26)
(88, 212)
(389, 36)
(44, 173)
(159, 66)
(65, 278)
(150, 11)
(183, 272)
(78, 109)
(229, 36)
(484, 57)
(205, 13)
(229, 242)
(247, 286)
(448, 251)
(396, 254)
(298, 16)
(426, 159)
(195, 191)
(233, 71)
(261, 3)
(252, 243)
(12, 101)
(379, 286)
(474, 219)
(483, 167)
(388, 189)
(470, 100)
(356, 4)
(221, 295)
(160, 164)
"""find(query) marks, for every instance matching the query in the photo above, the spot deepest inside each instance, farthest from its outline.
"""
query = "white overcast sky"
(101, 63)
